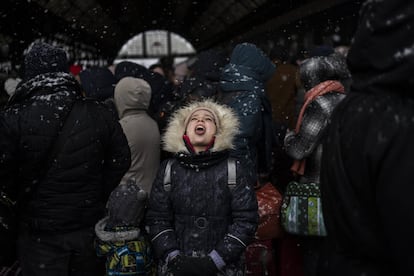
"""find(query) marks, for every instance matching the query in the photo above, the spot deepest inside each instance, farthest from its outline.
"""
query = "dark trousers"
(59, 254)
(311, 250)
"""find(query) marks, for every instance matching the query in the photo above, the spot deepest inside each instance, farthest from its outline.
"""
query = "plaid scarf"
(298, 166)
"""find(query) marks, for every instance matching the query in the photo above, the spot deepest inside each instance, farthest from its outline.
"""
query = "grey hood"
(132, 95)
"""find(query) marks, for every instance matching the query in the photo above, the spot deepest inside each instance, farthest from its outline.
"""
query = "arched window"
(156, 43)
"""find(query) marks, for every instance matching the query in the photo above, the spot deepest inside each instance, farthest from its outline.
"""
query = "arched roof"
(106, 25)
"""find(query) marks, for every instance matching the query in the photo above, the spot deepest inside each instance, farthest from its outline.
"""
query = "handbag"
(302, 210)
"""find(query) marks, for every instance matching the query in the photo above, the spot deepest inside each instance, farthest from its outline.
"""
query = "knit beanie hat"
(126, 206)
(44, 58)
(216, 119)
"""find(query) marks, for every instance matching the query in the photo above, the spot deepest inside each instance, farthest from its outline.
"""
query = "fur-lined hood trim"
(227, 127)
(114, 236)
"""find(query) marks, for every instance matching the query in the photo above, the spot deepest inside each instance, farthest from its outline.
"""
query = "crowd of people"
(122, 170)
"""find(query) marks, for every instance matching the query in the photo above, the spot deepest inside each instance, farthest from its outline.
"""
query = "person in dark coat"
(243, 88)
(367, 163)
(282, 90)
(203, 81)
(98, 83)
(60, 201)
(201, 225)
(321, 78)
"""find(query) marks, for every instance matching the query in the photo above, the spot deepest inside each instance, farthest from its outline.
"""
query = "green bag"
(301, 210)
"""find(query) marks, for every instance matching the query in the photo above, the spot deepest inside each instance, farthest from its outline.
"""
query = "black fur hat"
(318, 69)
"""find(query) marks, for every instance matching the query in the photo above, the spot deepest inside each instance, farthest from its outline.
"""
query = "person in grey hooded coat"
(201, 225)
(132, 99)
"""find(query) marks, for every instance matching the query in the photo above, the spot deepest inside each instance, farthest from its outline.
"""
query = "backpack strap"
(167, 176)
(231, 174)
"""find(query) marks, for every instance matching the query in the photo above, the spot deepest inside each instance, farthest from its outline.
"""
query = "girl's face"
(200, 129)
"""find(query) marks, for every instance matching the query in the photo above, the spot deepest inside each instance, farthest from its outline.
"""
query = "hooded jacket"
(367, 168)
(162, 91)
(89, 165)
(200, 214)
(243, 85)
(132, 98)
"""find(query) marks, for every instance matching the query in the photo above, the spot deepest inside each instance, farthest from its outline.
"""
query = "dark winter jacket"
(367, 167)
(204, 79)
(201, 213)
(242, 83)
(89, 165)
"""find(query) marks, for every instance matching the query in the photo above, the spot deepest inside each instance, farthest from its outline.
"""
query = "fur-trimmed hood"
(114, 236)
(227, 127)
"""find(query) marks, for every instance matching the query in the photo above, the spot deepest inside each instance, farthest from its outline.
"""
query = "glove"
(204, 266)
(180, 266)
(189, 266)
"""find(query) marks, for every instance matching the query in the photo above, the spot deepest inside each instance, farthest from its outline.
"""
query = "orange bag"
(269, 201)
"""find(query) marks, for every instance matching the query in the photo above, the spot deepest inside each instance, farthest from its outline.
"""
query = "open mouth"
(200, 130)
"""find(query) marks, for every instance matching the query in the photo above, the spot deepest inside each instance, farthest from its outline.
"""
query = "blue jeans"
(59, 254)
